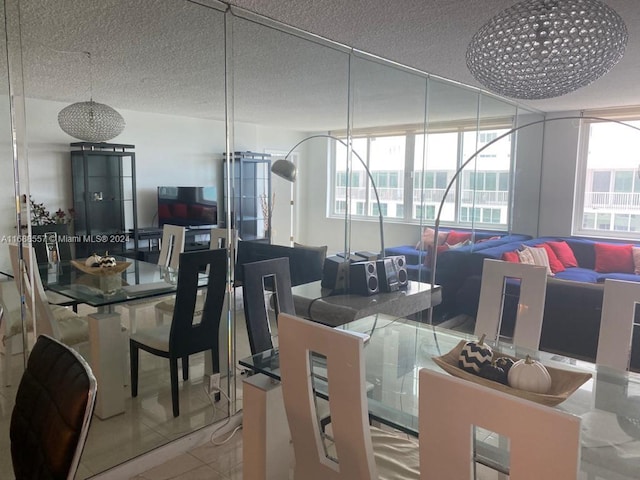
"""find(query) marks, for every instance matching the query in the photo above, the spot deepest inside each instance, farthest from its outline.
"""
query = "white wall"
(170, 150)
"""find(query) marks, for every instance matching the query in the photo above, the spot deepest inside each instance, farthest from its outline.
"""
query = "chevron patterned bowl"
(563, 382)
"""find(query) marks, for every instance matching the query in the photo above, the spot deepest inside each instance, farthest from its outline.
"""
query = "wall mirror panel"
(194, 80)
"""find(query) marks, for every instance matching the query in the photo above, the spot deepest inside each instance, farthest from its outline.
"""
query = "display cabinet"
(104, 198)
(250, 199)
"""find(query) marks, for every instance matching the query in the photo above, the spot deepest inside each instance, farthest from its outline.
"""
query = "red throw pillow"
(564, 253)
(456, 237)
(554, 262)
(614, 258)
(511, 257)
(163, 211)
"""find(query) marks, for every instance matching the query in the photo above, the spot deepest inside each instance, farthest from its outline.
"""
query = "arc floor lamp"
(436, 227)
(285, 168)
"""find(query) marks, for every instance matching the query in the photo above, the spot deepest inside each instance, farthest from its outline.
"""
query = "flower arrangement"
(41, 216)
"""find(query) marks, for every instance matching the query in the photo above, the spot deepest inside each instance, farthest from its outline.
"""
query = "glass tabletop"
(608, 404)
(139, 280)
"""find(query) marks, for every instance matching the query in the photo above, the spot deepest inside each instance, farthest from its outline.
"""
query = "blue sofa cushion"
(629, 277)
(578, 274)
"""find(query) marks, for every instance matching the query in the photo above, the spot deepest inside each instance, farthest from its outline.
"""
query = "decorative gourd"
(505, 363)
(93, 260)
(107, 262)
(529, 375)
(474, 355)
(493, 372)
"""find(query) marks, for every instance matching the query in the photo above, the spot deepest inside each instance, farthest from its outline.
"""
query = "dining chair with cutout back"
(52, 413)
(171, 246)
(533, 287)
(264, 280)
(219, 238)
(543, 442)
(617, 322)
(61, 323)
(358, 451)
(186, 335)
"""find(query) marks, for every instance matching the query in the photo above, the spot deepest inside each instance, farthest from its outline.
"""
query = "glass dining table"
(608, 404)
(139, 280)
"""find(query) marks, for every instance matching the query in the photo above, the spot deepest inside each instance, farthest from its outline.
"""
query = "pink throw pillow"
(614, 258)
(564, 253)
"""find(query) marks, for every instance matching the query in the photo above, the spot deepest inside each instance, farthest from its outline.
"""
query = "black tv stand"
(149, 249)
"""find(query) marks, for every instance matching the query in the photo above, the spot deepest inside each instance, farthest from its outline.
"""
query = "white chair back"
(172, 245)
(347, 401)
(543, 442)
(533, 289)
(616, 323)
(35, 297)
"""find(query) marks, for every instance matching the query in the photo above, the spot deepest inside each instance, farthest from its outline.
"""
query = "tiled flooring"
(208, 461)
(148, 421)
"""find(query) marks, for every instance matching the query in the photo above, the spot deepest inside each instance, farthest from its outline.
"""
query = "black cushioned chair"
(53, 410)
(183, 337)
(260, 279)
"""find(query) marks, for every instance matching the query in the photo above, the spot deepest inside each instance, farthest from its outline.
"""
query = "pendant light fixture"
(546, 48)
(91, 121)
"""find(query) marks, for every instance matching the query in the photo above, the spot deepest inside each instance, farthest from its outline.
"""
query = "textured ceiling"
(168, 57)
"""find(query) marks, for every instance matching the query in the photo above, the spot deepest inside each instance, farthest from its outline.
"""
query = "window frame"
(583, 175)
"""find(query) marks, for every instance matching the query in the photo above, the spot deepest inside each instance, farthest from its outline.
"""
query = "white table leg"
(107, 363)
(266, 453)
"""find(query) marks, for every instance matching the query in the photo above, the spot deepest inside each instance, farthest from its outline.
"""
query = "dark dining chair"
(187, 334)
(262, 280)
(52, 414)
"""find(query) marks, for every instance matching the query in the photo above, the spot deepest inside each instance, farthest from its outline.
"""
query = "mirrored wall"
(196, 80)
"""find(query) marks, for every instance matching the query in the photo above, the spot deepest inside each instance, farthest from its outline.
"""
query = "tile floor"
(148, 420)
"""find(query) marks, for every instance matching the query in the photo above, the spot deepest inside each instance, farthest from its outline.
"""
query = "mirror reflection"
(211, 98)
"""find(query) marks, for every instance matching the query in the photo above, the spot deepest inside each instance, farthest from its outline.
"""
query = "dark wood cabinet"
(250, 199)
(104, 198)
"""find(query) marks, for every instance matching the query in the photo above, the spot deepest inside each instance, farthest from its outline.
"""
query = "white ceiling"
(167, 57)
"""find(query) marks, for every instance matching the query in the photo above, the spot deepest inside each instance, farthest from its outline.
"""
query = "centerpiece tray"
(563, 382)
(119, 267)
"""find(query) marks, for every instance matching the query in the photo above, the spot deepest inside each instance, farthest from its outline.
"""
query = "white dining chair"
(171, 246)
(219, 238)
(530, 312)
(10, 328)
(357, 451)
(61, 323)
(543, 442)
(617, 323)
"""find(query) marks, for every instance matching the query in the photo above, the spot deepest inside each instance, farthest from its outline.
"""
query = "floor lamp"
(285, 168)
(434, 247)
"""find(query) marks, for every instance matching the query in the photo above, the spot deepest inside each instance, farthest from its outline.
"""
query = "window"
(608, 186)
(432, 159)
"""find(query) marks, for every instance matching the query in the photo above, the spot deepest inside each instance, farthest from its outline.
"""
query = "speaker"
(335, 273)
(387, 275)
(401, 270)
(363, 278)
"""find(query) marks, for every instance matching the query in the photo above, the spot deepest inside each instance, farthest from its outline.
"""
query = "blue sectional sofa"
(451, 269)
(573, 304)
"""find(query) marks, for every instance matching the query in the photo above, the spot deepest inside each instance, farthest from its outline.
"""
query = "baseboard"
(172, 449)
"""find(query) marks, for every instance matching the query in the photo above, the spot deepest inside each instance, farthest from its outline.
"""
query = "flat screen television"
(188, 206)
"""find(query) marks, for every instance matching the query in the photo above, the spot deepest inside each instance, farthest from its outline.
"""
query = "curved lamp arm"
(284, 168)
(434, 247)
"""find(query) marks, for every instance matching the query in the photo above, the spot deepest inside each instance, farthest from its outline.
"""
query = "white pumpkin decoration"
(529, 375)
(93, 260)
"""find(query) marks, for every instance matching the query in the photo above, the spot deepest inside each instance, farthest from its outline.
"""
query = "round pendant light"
(91, 121)
(546, 48)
